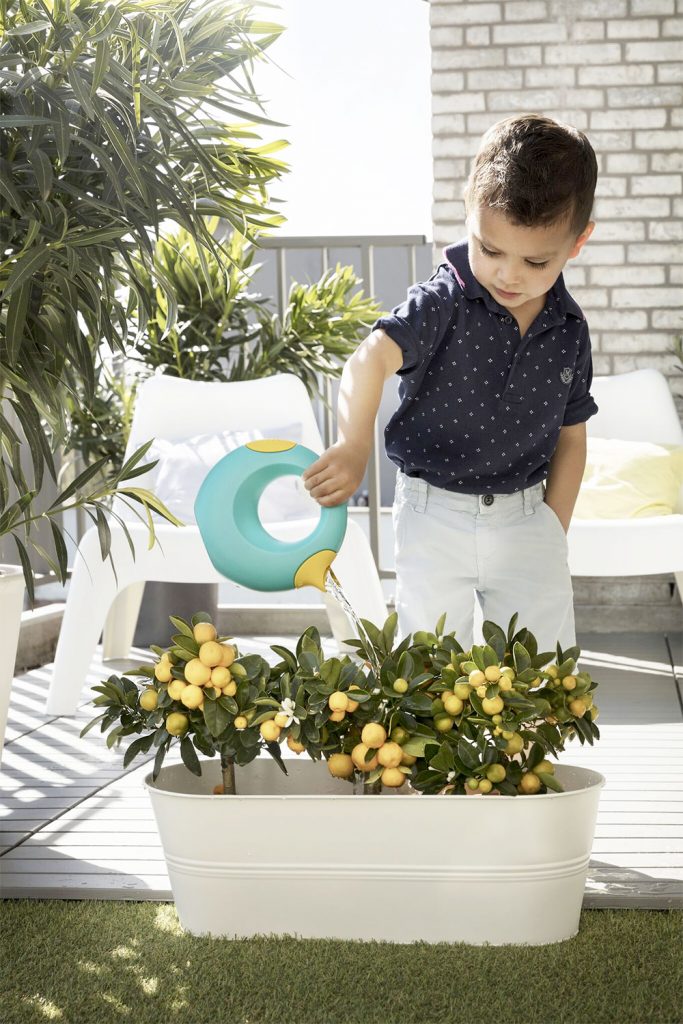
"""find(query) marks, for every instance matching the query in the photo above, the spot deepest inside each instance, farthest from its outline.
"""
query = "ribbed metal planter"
(302, 856)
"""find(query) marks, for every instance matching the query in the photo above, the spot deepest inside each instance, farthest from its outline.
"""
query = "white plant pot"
(11, 605)
(300, 855)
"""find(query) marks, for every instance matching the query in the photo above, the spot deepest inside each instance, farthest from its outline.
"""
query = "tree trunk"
(228, 773)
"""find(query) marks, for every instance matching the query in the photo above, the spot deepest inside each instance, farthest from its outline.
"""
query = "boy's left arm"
(566, 471)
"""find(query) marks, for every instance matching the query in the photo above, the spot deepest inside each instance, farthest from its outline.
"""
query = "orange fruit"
(197, 673)
(211, 654)
(204, 631)
(389, 755)
(340, 765)
(373, 735)
(269, 730)
(393, 778)
(338, 701)
(149, 699)
(358, 757)
(177, 723)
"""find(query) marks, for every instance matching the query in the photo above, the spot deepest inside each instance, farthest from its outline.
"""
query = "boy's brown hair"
(536, 171)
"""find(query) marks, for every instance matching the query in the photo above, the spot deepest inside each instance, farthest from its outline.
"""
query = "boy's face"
(518, 265)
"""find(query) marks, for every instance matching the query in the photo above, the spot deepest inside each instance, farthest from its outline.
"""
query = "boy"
(494, 358)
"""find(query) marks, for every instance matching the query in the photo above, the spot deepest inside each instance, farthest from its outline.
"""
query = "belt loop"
(421, 496)
(527, 495)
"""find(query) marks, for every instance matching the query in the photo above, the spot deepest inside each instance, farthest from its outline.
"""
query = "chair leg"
(119, 628)
(678, 576)
(357, 573)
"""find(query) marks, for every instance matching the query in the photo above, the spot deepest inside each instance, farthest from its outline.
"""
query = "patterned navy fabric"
(481, 408)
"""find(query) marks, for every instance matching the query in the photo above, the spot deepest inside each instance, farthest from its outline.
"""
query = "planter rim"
(593, 779)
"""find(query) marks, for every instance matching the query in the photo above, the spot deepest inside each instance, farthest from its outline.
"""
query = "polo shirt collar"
(458, 260)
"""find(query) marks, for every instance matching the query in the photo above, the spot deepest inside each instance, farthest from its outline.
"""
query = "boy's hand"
(336, 475)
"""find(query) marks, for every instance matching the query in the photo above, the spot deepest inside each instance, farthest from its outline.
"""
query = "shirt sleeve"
(419, 324)
(581, 404)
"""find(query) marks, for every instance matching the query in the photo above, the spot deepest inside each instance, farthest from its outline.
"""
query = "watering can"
(226, 510)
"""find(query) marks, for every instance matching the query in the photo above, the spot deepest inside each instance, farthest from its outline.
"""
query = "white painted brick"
(650, 7)
(523, 55)
(455, 145)
(569, 115)
(624, 364)
(667, 161)
(616, 276)
(444, 170)
(583, 98)
(448, 191)
(677, 208)
(667, 318)
(586, 53)
(655, 253)
(610, 186)
(618, 320)
(659, 140)
(446, 233)
(619, 231)
(602, 365)
(672, 27)
(457, 60)
(446, 38)
(657, 185)
(536, 77)
(541, 32)
(591, 298)
(596, 253)
(467, 103)
(452, 211)
(677, 117)
(638, 298)
(626, 343)
(665, 231)
(626, 163)
(626, 74)
(494, 79)
(575, 277)
(447, 102)
(643, 118)
(670, 72)
(653, 51)
(614, 142)
(632, 207)
(448, 124)
(598, 8)
(586, 31)
(478, 35)
(465, 14)
(633, 28)
(525, 100)
(676, 275)
(525, 11)
(645, 96)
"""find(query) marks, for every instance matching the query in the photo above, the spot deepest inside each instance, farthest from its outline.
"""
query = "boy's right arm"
(339, 470)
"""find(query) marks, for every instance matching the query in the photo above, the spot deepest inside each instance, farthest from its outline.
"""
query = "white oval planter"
(300, 855)
(11, 605)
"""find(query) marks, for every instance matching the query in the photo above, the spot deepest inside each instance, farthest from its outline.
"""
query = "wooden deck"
(76, 825)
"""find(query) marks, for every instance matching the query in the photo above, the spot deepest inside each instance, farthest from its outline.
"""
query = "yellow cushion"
(629, 479)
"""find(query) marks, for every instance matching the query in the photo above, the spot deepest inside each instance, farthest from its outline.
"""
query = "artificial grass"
(100, 962)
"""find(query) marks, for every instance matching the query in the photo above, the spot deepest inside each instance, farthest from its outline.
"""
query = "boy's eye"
(487, 252)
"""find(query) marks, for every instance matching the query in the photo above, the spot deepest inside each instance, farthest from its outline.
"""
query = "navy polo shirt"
(481, 408)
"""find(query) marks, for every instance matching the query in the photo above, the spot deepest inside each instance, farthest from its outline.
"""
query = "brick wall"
(613, 69)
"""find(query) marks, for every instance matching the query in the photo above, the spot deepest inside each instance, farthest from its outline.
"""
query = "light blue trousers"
(510, 555)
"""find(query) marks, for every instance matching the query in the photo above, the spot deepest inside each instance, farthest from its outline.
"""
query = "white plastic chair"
(173, 409)
(636, 406)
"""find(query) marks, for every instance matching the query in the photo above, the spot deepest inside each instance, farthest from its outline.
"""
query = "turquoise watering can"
(226, 510)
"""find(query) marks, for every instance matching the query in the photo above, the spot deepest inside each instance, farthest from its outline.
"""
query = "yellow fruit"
(231, 689)
(358, 756)
(204, 631)
(495, 773)
(515, 745)
(453, 705)
(507, 735)
(149, 699)
(577, 707)
(338, 701)
(505, 684)
(529, 783)
(400, 685)
(197, 673)
(492, 705)
(492, 673)
(353, 704)
(399, 734)
(594, 712)
(507, 670)
(373, 735)
(481, 691)
(192, 696)
(444, 723)
(175, 688)
(227, 655)
(294, 745)
(219, 790)
(472, 784)
(177, 723)
(337, 716)
(340, 765)
(462, 690)
(485, 786)
(551, 670)
(476, 677)
(281, 719)
(497, 719)
(393, 778)
(211, 654)
(407, 759)
(544, 768)
(220, 677)
(241, 723)
(569, 682)
(269, 730)
(162, 671)
(389, 755)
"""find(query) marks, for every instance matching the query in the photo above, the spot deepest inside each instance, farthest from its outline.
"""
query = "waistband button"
(488, 499)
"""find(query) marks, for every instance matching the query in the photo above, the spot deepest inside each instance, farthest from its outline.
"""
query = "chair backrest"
(635, 406)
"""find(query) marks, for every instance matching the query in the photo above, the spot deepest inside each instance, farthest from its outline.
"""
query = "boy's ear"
(581, 240)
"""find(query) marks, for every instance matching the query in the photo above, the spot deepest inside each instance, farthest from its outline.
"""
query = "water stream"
(334, 587)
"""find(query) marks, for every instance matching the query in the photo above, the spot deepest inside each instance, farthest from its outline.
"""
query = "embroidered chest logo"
(566, 374)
